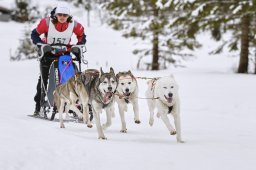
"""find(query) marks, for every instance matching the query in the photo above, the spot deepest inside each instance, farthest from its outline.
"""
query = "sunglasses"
(64, 15)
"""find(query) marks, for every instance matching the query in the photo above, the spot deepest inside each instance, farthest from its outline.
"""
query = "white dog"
(162, 93)
(127, 92)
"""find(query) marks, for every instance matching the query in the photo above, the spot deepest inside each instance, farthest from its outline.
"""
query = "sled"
(61, 69)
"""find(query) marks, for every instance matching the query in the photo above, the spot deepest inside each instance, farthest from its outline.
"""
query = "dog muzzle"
(169, 99)
(127, 94)
(107, 97)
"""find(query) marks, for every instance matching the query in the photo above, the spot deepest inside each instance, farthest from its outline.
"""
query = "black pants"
(45, 64)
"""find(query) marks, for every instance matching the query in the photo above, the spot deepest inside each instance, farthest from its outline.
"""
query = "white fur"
(126, 84)
(162, 88)
(97, 107)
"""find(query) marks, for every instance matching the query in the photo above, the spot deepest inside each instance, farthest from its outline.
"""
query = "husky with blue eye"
(127, 93)
(162, 94)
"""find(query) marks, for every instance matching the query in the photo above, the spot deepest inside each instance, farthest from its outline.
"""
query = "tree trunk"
(155, 64)
(88, 18)
(243, 63)
(254, 60)
(155, 53)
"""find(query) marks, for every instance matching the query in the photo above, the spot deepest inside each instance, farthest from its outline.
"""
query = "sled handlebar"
(82, 50)
(59, 44)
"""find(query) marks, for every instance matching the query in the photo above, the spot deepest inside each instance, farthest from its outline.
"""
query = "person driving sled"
(58, 28)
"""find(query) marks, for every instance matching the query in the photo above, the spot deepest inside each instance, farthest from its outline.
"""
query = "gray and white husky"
(162, 93)
(101, 97)
(66, 96)
(127, 92)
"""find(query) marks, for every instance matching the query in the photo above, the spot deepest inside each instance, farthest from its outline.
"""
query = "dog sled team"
(65, 88)
(106, 88)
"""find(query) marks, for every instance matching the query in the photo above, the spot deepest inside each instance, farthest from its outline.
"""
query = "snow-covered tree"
(26, 49)
(152, 21)
(25, 12)
(21, 12)
(234, 16)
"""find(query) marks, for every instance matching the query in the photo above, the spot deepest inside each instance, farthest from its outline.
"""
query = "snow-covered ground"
(217, 110)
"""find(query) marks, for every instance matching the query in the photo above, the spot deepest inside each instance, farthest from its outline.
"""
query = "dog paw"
(123, 131)
(158, 115)
(137, 121)
(151, 122)
(173, 132)
(180, 141)
(89, 126)
(102, 137)
(62, 126)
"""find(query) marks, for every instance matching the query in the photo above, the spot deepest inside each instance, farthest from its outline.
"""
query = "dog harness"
(153, 89)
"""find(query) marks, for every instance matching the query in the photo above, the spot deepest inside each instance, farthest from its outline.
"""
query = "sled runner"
(72, 120)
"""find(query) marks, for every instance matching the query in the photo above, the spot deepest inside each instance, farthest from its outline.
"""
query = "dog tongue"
(127, 94)
(169, 99)
(107, 96)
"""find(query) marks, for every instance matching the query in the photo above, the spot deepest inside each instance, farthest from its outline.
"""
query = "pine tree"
(26, 49)
(222, 16)
(21, 13)
(151, 20)
(24, 12)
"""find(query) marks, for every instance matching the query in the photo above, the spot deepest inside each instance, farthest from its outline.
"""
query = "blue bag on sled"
(66, 68)
(60, 72)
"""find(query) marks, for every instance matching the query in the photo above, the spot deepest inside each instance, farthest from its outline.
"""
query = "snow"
(7, 3)
(217, 113)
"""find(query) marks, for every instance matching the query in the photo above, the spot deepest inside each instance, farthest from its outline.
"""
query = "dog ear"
(112, 70)
(132, 76)
(117, 75)
(101, 71)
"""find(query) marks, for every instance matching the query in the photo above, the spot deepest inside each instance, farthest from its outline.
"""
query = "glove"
(75, 50)
(47, 49)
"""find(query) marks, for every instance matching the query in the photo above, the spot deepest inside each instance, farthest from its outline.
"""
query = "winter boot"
(36, 113)
(37, 110)
(54, 111)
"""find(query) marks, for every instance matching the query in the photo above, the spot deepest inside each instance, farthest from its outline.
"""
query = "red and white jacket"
(43, 28)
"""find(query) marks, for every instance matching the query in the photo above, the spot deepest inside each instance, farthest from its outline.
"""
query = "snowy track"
(217, 115)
